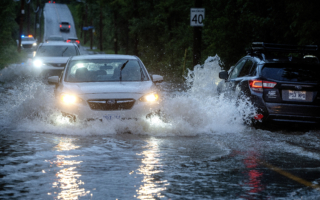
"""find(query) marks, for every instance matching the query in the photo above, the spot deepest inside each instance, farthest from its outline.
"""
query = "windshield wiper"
(64, 51)
(124, 64)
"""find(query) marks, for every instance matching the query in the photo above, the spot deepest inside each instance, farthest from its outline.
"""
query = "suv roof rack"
(270, 47)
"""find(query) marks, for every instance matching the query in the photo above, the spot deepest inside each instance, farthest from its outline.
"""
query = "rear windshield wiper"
(124, 64)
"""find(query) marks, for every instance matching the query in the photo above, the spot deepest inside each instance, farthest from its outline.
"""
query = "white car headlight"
(152, 97)
(34, 44)
(70, 99)
(37, 63)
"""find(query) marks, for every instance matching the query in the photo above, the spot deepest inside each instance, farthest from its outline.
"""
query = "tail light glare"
(258, 85)
(60, 25)
(68, 41)
(258, 116)
(69, 26)
(77, 41)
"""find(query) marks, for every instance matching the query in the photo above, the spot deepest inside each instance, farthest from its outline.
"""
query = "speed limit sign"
(197, 16)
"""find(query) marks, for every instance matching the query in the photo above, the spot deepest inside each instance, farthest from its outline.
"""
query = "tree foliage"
(159, 31)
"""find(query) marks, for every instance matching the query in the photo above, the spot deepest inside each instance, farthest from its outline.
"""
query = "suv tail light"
(258, 85)
(77, 41)
(68, 41)
(69, 26)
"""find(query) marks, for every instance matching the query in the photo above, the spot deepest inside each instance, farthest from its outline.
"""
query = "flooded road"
(206, 149)
(127, 166)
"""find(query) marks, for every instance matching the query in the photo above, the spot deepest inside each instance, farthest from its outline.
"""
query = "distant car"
(65, 26)
(106, 87)
(74, 40)
(283, 88)
(28, 42)
(51, 58)
(55, 38)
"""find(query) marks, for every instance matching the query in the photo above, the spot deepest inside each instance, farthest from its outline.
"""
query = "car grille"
(57, 64)
(111, 104)
(27, 45)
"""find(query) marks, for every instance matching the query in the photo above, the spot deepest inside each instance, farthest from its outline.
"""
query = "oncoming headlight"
(37, 63)
(70, 99)
(152, 97)
(34, 44)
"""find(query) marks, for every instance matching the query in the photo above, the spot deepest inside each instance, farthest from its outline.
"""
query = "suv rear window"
(65, 23)
(292, 72)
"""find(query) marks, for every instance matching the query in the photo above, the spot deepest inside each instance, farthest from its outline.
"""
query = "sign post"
(197, 16)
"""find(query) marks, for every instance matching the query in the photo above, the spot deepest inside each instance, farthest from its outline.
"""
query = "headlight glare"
(152, 97)
(34, 44)
(68, 99)
(37, 63)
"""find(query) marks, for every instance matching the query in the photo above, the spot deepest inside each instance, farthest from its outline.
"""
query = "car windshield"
(55, 39)
(292, 72)
(56, 51)
(65, 23)
(27, 39)
(104, 71)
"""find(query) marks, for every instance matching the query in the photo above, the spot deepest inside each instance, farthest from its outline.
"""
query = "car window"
(55, 39)
(65, 23)
(235, 72)
(27, 39)
(246, 68)
(56, 51)
(104, 70)
(253, 70)
(292, 72)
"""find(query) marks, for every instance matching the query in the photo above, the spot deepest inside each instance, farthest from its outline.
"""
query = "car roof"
(104, 56)
(58, 44)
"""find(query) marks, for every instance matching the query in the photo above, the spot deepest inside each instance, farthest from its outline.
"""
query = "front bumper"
(46, 71)
(82, 111)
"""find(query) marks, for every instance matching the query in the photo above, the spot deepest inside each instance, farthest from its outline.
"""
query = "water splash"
(28, 104)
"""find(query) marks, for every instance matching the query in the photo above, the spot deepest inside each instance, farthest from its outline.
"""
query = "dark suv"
(283, 88)
(65, 26)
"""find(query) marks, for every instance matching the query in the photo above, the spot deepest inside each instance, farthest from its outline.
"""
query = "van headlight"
(34, 44)
(37, 63)
(151, 97)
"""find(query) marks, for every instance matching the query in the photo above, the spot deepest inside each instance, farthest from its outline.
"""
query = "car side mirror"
(223, 75)
(53, 80)
(157, 78)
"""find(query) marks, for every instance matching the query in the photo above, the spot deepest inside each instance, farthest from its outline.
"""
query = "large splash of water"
(28, 104)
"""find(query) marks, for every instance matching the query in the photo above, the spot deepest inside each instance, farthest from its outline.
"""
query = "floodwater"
(205, 150)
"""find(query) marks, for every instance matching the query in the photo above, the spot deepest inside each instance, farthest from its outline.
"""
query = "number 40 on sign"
(197, 16)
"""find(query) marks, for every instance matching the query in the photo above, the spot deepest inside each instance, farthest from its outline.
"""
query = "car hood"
(28, 42)
(61, 60)
(109, 87)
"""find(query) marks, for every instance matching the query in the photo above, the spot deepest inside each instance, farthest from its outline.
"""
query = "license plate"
(297, 95)
(111, 117)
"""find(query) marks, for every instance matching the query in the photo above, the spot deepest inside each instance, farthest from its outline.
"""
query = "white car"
(28, 42)
(51, 58)
(106, 87)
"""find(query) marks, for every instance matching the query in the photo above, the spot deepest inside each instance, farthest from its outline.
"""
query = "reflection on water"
(152, 185)
(67, 179)
(254, 176)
